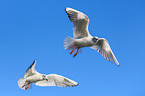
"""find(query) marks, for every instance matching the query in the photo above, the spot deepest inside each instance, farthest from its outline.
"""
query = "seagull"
(32, 76)
(82, 38)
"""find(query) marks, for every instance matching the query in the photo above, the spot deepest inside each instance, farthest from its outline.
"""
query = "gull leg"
(27, 87)
(24, 84)
(73, 49)
(76, 52)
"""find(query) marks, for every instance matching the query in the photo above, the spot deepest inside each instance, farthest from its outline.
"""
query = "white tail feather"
(69, 43)
(21, 82)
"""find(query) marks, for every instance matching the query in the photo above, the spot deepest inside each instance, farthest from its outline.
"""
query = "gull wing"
(31, 70)
(104, 49)
(80, 22)
(56, 80)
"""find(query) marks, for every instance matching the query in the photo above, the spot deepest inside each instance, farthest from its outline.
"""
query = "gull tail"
(21, 83)
(69, 43)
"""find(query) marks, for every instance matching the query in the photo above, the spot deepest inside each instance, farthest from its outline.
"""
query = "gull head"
(95, 40)
(44, 77)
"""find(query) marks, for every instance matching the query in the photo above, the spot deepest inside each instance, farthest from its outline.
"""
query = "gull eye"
(94, 40)
(43, 76)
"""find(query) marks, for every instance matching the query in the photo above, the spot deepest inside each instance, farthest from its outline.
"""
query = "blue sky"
(36, 30)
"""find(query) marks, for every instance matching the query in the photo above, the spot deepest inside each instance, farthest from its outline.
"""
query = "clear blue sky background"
(36, 29)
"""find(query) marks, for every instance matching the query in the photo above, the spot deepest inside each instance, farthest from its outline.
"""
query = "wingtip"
(66, 8)
(35, 60)
(74, 85)
(118, 65)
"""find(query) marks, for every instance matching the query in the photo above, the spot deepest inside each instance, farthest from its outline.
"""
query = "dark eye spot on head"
(94, 39)
(43, 76)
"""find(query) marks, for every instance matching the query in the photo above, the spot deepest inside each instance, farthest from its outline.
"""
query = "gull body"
(84, 42)
(82, 38)
(32, 76)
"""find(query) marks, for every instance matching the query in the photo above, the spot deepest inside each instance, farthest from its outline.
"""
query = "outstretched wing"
(104, 49)
(31, 70)
(56, 80)
(80, 22)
